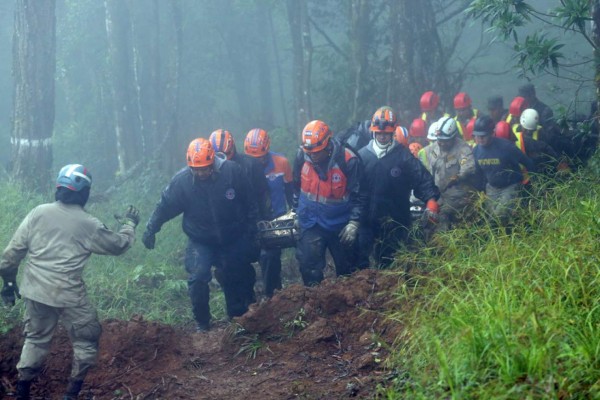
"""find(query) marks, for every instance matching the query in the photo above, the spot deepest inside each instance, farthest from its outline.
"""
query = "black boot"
(73, 390)
(23, 390)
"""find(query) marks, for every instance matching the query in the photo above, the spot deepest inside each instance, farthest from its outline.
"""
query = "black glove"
(149, 240)
(10, 292)
(132, 216)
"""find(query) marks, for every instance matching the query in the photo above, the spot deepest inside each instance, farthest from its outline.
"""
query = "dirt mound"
(313, 343)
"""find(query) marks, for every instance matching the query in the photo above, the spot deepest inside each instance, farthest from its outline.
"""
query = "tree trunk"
(298, 21)
(359, 42)
(121, 78)
(34, 66)
(264, 72)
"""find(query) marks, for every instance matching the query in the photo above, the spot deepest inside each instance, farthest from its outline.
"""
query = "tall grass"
(516, 316)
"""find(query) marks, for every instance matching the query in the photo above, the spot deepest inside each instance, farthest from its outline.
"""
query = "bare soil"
(325, 342)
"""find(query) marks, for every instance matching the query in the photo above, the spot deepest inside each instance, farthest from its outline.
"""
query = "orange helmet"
(401, 135)
(417, 128)
(257, 143)
(200, 153)
(517, 106)
(468, 133)
(315, 136)
(429, 101)
(222, 141)
(384, 120)
(462, 101)
(415, 148)
(502, 130)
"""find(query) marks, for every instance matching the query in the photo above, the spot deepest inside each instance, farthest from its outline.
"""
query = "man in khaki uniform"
(452, 165)
(59, 238)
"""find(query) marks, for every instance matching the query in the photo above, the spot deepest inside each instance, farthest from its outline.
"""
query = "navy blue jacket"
(257, 183)
(388, 181)
(499, 162)
(216, 211)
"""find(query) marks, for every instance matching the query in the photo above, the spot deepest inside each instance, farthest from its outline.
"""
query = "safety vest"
(424, 116)
(520, 143)
(462, 130)
(324, 202)
(535, 135)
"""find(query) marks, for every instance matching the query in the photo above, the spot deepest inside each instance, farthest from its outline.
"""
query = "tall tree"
(118, 33)
(359, 42)
(34, 65)
(302, 58)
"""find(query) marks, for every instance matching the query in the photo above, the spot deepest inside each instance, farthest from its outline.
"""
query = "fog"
(162, 72)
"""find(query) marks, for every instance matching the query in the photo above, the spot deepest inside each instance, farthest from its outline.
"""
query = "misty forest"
(123, 86)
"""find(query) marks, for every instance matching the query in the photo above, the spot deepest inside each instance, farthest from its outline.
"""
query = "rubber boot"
(23, 388)
(73, 389)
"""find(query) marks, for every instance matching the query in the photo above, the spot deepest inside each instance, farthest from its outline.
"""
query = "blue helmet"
(74, 177)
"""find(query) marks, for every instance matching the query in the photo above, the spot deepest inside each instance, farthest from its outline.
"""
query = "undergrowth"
(507, 316)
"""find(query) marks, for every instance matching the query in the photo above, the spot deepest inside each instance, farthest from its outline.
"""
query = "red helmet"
(429, 101)
(200, 153)
(384, 120)
(222, 141)
(462, 101)
(401, 135)
(502, 130)
(417, 128)
(315, 136)
(517, 106)
(257, 143)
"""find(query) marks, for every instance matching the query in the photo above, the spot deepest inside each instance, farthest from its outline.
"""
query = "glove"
(8, 293)
(432, 211)
(149, 240)
(348, 234)
(132, 216)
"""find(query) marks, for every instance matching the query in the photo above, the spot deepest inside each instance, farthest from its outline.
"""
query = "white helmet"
(431, 136)
(530, 119)
(446, 128)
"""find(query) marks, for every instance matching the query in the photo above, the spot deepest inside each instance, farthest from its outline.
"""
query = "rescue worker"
(357, 136)
(401, 134)
(499, 161)
(516, 108)
(59, 238)
(496, 108)
(222, 141)
(279, 177)
(326, 197)
(529, 140)
(390, 173)
(454, 173)
(429, 104)
(417, 133)
(219, 219)
(546, 116)
(426, 152)
(465, 116)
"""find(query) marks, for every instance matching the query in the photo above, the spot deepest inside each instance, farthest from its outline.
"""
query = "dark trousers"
(382, 241)
(310, 253)
(270, 265)
(233, 271)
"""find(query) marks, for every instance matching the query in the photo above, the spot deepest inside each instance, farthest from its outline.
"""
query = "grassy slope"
(508, 317)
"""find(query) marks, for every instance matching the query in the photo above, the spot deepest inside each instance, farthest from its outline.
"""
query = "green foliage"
(297, 324)
(508, 316)
(537, 53)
